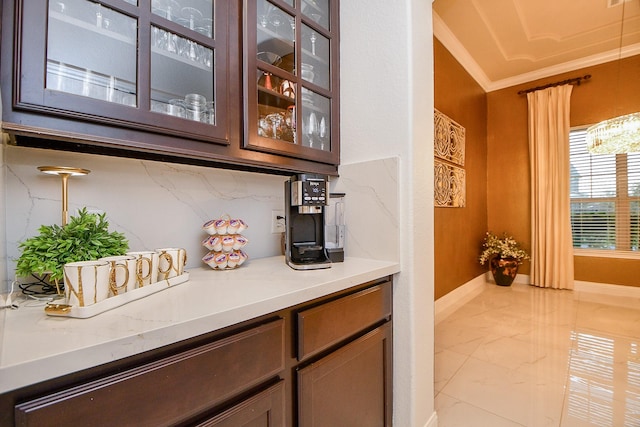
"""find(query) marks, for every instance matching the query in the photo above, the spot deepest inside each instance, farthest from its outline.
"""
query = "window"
(605, 198)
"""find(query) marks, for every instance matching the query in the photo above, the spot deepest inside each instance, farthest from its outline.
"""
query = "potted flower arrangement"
(85, 237)
(504, 255)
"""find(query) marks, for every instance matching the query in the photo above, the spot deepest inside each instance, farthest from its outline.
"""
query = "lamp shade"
(63, 172)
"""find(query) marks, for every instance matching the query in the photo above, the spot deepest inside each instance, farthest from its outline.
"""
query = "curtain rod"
(575, 80)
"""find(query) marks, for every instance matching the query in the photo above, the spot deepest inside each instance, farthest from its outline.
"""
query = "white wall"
(387, 111)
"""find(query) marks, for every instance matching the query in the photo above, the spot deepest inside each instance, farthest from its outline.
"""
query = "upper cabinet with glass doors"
(291, 72)
(153, 65)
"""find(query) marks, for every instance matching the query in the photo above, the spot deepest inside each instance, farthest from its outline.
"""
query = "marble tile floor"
(526, 356)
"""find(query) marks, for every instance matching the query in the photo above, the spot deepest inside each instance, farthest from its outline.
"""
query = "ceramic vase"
(504, 270)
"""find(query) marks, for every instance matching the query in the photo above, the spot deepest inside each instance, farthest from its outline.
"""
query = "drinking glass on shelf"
(313, 39)
(290, 121)
(59, 7)
(276, 20)
(207, 24)
(210, 115)
(157, 37)
(322, 132)
(168, 9)
(206, 56)
(206, 29)
(307, 72)
(172, 42)
(98, 15)
(292, 23)
(176, 108)
(189, 49)
(264, 128)
(196, 106)
(312, 128)
(173, 10)
(276, 119)
(193, 17)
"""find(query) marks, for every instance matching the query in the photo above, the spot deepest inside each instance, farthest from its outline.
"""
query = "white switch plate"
(277, 222)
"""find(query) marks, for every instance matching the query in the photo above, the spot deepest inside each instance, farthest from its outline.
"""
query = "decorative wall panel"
(449, 185)
(449, 141)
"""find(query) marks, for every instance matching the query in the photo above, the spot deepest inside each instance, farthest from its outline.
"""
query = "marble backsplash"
(372, 208)
(158, 204)
(154, 204)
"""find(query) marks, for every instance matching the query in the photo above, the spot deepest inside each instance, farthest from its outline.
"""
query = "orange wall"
(459, 231)
(508, 194)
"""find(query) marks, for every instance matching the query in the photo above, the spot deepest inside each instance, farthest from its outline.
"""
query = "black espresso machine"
(305, 196)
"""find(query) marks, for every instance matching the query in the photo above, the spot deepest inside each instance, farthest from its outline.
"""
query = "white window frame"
(622, 221)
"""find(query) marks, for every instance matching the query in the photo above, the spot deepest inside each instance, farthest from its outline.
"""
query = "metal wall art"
(449, 185)
(449, 139)
(449, 176)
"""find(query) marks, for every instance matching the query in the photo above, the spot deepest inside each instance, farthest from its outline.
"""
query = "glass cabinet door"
(182, 81)
(291, 94)
(157, 65)
(77, 65)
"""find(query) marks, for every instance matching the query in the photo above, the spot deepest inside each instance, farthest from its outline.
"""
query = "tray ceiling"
(506, 42)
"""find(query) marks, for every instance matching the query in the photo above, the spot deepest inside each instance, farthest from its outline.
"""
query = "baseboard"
(522, 278)
(447, 304)
(604, 288)
(455, 299)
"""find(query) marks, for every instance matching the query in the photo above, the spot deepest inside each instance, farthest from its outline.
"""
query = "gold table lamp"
(64, 172)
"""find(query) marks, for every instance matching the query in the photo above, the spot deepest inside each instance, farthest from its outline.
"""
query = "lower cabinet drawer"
(327, 324)
(265, 409)
(170, 390)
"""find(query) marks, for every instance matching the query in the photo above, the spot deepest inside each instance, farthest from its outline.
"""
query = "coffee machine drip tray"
(310, 256)
(310, 264)
(304, 247)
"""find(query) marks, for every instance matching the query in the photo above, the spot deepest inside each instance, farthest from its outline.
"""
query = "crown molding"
(442, 32)
(588, 61)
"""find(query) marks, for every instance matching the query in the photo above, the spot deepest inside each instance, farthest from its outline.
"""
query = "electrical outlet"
(277, 222)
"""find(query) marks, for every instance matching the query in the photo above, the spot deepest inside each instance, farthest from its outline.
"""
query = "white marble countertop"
(36, 347)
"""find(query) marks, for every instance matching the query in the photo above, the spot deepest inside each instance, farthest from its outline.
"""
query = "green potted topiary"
(86, 237)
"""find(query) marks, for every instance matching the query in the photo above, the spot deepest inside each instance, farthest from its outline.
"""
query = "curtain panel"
(551, 240)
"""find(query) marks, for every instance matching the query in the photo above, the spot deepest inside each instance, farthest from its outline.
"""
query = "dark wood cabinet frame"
(37, 117)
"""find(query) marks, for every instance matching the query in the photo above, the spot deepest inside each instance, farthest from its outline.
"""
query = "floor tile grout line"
(482, 409)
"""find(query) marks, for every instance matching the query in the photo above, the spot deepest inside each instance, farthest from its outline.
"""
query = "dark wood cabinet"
(291, 68)
(349, 387)
(157, 79)
(128, 65)
(345, 346)
(325, 325)
(265, 409)
(326, 362)
(168, 391)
